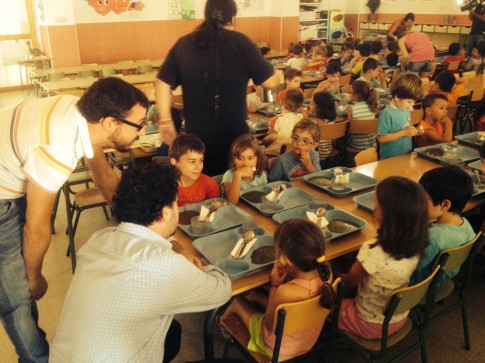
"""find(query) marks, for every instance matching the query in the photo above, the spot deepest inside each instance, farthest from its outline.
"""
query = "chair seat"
(375, 344)
(238, 330)
(89, 197)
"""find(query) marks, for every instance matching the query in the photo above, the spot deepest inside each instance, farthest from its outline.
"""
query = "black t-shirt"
(478, 26)
(194, 68)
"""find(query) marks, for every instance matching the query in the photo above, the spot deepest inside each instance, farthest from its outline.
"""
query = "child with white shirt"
(298, 59)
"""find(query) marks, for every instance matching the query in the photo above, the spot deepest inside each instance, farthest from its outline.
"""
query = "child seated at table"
(246, 167)
(436, 126)
(371, 70)
(300, 272)
(319, 59)
(265, 52)
(447, 84)
(364, 108)
(361, 53)
(281, 126)
(453, 56)
(302, 159)
(392, 59)
(449, 189)
(387, 262)
(376, 49)
(476, 58)
(394, 129)
(292, 78)
(332, 83)
(187, 154)
(322, 105)
(298, 60)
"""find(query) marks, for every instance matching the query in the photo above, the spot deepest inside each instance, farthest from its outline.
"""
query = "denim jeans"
(18, 310)
(425, 66)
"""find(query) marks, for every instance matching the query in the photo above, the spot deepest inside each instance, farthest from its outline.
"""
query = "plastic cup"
(200, 225)
(319, 202)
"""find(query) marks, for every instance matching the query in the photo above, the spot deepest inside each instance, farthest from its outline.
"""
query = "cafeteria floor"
(444, 338)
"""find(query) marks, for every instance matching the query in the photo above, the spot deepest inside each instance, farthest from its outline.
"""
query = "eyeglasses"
(297, 140)
(137, 126)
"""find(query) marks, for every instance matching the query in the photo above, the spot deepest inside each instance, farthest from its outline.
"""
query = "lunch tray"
(332, 213)
(217, 248)
(464, 155)
(226, 217)
(366, 201)
(291, 198)
(477, 190)
(257, 125)
(471, 139)
(263, 111)
(476, 165)
(357, 182)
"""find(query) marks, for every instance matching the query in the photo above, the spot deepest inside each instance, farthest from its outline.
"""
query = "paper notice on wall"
(181, 9)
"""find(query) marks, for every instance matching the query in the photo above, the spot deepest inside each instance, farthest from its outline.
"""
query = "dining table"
(409, 165)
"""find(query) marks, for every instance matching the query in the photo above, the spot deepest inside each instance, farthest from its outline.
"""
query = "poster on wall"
(181, 9)
(250, 7)
(104, 7)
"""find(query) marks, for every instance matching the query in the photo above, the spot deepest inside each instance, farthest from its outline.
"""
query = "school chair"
(344, 80)
(346, 89)
(335, 131)
(452, 66)
(308, 93)
(400, 301)
(417, 116)
(466, 109)
(360, 127)
(366, 156)
(218, 178)
(290, 318)
(449, 260)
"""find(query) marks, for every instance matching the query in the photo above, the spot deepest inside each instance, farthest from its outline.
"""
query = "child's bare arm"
(392, 136)
(233, 189)
(355, 275)
(448, 129)
(270, 138)
(306, 159)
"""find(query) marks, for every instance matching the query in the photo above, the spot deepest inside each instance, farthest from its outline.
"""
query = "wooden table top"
(406, 165)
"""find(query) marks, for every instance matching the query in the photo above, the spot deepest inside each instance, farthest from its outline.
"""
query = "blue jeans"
(425, 66)
(18, 310)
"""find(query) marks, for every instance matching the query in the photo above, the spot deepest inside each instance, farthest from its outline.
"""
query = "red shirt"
(204, 188)
(424, 140)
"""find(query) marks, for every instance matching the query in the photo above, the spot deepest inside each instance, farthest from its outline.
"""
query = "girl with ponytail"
(300, 272)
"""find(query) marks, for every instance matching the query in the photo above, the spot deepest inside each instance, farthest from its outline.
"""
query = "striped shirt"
(361, 111)
(41, 141)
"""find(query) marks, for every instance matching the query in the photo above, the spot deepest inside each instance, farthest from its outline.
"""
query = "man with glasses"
(41, 141)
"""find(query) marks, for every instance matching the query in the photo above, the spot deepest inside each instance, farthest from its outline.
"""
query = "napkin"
(272, 196)
(204, 212)
(319, 221)
(342, 108)
(342, 178)
(246, 248)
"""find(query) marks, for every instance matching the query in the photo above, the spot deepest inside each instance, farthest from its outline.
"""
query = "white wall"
(56, 12)
(412, 6)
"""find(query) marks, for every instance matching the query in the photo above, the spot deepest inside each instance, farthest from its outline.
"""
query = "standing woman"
(400, 26)
(417, 54)
(213, 64)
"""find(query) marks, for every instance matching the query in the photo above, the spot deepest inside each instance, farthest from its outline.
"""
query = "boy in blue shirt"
(449, 188)
(303, 159)
(395, 130)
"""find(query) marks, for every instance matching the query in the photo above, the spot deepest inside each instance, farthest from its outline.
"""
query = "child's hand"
(305, 157)
(411, 131)
(245, 172)
(278, 274)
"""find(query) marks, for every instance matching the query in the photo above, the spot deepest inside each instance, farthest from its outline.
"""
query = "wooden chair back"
(417, 116)
(345, 80)
(366, 156)
(453, 66)
(308, 93)
(346, 89)
(476, 95)
(332, 131)
(363, 127)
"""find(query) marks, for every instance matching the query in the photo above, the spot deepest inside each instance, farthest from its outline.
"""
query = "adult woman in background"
(417, 53)
(400, 26)
(213, 64)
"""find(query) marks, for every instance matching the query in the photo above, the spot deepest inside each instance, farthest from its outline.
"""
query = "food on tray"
(217, 203)
(185, 217)
(262, 255)
(254, 196)
(435, 152)
(341, 226)
(320, 180)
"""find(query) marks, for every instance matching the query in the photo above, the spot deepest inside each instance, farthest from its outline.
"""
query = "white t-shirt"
(296, 63)
(385, 274)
